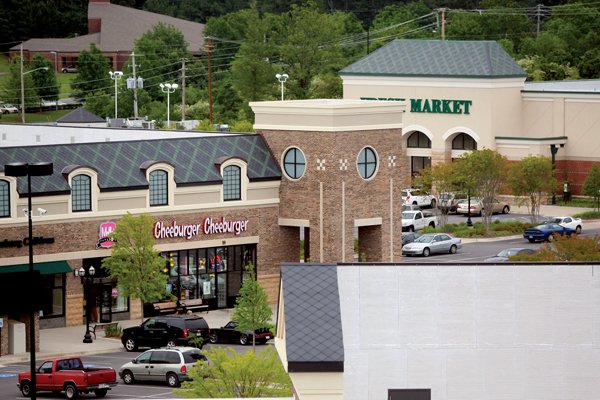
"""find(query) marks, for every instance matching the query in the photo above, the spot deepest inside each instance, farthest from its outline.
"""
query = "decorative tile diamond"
(320, 165)
(391, 161)
(344, 164)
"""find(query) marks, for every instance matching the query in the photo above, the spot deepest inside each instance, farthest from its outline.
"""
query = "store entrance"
(105, 302)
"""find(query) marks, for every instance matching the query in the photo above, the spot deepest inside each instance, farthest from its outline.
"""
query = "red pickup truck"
(69, 375)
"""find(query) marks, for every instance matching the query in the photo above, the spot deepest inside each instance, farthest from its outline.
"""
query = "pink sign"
(106, 228)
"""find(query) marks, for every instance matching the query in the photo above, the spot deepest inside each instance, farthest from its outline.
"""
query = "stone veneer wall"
(332, 191)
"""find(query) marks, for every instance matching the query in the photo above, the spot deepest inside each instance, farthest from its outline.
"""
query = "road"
(9, 390)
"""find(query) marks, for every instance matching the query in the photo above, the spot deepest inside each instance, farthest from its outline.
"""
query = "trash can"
(566, 191)
(16, 337)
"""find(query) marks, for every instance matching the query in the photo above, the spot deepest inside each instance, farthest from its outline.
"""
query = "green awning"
(45, 268)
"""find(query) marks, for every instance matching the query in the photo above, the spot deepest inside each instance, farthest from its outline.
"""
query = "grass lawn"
(47, 116)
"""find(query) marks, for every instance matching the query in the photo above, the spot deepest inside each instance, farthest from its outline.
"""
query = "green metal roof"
(118, 164)
(437, 58)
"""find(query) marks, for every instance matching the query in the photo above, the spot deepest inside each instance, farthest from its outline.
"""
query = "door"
(153, 332)
(141, 368)
(105, 303)
(44, 376)
(158, 365)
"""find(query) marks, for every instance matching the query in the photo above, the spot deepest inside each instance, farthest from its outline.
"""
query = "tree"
(440, 178)
(230, 374)
(591, 186)
(483, 173)
(252, 310)
(92, 74)
(565, 249)
(45, 81)
(11, 90)
(134, 262)
(531, 178)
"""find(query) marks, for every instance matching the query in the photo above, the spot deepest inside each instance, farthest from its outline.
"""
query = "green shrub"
(113, 331)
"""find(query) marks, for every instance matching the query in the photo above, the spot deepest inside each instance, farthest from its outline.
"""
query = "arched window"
(232, 184)
(294, 163)
(159, 188)
(462, 141)
(4, 199)
(367, 163)
(81, 193)
(418, 140)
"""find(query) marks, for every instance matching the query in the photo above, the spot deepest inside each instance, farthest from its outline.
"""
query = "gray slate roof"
(437, 58)
(120, 28)
(118, 163)
(313, 324)
(80, 115)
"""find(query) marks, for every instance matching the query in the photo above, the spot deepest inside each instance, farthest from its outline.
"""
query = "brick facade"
(333, 196)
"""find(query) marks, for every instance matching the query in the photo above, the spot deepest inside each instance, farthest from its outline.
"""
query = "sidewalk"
(68, 341)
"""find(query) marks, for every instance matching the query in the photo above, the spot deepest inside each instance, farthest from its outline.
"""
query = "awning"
(45, 268)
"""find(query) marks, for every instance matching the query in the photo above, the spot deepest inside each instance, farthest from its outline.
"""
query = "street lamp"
(86, 280)
(469, 223)
(115, 76)
(23, 88)
(168, 88)
(282, 78)
(29, 170)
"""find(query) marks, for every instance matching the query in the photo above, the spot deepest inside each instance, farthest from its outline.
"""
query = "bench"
(102, 325)
(193, 305)
(167, 307)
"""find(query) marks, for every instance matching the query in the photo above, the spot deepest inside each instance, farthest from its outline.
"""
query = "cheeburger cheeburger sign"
(208, 226)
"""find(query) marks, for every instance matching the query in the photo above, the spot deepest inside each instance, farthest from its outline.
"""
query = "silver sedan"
(432, 243)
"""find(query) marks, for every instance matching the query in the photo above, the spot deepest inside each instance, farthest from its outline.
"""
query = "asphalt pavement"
(68, 341)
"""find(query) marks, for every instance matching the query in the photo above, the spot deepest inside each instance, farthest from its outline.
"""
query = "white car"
(430, 243)
(8, 109)
(568, 222)
(418, 197)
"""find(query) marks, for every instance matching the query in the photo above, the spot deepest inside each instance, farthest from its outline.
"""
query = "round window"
(294, 163)
(367, 163)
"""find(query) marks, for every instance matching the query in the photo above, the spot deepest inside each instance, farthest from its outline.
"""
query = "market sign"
(434, 106)
(208, 226)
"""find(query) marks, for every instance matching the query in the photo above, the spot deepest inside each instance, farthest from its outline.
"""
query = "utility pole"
(22, 90)
(210, 108)
(443, 10)
(182, 89)
(135, 99)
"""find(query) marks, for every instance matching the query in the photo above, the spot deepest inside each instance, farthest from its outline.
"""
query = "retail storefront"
(469, 95)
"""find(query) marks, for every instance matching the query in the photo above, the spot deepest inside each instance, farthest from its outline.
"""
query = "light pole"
(282, 78)
(23, 88)
(29, 170)
(86, 280)
(168, 88)
(55, 61)
(115, 76)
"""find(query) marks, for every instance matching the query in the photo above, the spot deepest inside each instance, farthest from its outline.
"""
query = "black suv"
(172, 330)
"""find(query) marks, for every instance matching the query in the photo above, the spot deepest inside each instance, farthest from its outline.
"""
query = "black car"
(172, 330)
(409, 237)
(228, 333)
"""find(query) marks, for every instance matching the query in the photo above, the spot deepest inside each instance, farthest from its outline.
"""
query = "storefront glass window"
(462, 141)
(418, 140)
(294, 163)
(4, 199)
(159, 193)
(53, 295)
(367, 163)
(81, 193)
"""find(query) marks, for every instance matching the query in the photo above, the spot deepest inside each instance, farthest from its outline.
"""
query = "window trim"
(170, 170)
(89, 193)
(229, 182)
(244, 181)
(295, 163)
(9, 197)
(366, 163)
(158, 191)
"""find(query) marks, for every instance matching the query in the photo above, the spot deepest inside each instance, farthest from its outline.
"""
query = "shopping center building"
(220, 202)
(467, 95)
